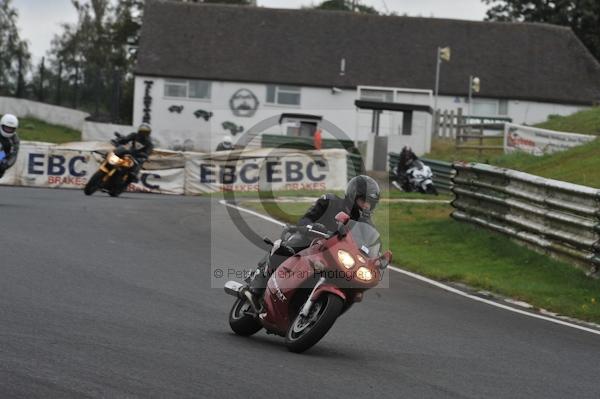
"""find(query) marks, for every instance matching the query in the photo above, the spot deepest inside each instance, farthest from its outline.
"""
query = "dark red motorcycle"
(311, 289)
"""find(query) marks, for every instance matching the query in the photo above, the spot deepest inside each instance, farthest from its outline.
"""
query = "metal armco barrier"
(442, 171)
(356, 165)
(553, 217)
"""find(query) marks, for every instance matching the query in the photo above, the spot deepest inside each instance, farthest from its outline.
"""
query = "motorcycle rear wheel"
(431, 190)
(94, 183)
(304, 334)
(240, 322)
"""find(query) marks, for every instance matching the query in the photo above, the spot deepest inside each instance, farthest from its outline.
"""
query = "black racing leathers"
(326, 208)
(140, 147)
(10, 146)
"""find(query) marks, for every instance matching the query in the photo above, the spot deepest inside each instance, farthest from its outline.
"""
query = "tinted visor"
(370, 200)
(8, 129)
(373, 202)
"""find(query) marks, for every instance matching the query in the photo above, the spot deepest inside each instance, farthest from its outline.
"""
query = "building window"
(175, 88)
(196, 89)
(386, 96)
(199, 89)
(503, 107)
(283, 95)
(485, 107)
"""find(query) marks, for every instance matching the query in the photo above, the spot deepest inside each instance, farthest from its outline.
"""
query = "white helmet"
(227, 140)
(8, 125)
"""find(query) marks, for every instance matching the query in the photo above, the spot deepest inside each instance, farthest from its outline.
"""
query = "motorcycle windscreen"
(121, 151)
(366, 237)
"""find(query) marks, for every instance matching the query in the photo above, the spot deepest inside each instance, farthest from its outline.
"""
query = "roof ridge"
(355, 15)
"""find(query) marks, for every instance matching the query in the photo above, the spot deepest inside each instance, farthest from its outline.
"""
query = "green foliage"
(585, 122)
(15, 60)
(239, 2)
(91, 62)
(346, 5)
(35, 130)
(583, 16)
(579, 165)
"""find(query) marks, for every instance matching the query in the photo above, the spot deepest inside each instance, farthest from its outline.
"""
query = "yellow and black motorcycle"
(113, 176)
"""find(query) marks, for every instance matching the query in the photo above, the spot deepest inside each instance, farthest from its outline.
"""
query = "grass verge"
(585, 122)
(579, 165)
(31, 129)
(425, 240)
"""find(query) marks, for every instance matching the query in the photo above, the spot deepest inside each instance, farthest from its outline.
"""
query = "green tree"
(90, 63)
(346, 5)
(239, 2)
(15, 60)
(583, 16)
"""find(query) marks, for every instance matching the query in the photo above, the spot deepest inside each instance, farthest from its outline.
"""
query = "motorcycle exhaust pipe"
(241, 291)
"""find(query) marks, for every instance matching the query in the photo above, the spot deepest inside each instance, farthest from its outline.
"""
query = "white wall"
(94, 131)
(48, 113)
(186, 132)
(521, 112)
(172, 127)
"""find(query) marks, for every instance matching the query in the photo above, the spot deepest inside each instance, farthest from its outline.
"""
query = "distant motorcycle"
(308, 292)
(417, 178)
(113, 175)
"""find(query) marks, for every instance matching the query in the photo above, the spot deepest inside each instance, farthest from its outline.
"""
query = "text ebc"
(57, 165)
(275, 172)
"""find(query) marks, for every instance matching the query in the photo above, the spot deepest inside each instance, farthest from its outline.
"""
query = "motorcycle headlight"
(127, 162)
(364, 274)
(346, 259)
(114, 159)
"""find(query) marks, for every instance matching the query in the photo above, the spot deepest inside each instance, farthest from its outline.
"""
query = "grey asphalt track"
(111, 298)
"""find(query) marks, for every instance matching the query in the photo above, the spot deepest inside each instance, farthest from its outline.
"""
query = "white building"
(205, 71)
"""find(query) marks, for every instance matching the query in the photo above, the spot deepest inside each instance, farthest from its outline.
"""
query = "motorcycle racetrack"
(111, 298)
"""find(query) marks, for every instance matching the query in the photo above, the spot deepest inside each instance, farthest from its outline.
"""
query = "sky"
(39, 20)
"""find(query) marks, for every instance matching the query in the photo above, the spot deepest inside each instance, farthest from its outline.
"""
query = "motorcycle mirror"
(342, 217)
(385, 260)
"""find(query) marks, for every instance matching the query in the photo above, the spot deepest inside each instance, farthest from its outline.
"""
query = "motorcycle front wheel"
(305, 332)
(240, 321)
(94, 183)
(116, 191)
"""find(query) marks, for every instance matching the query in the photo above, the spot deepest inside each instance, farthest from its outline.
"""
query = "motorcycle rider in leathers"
(362, 196)
(141, 148)
(407, 157)
(9, 142)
